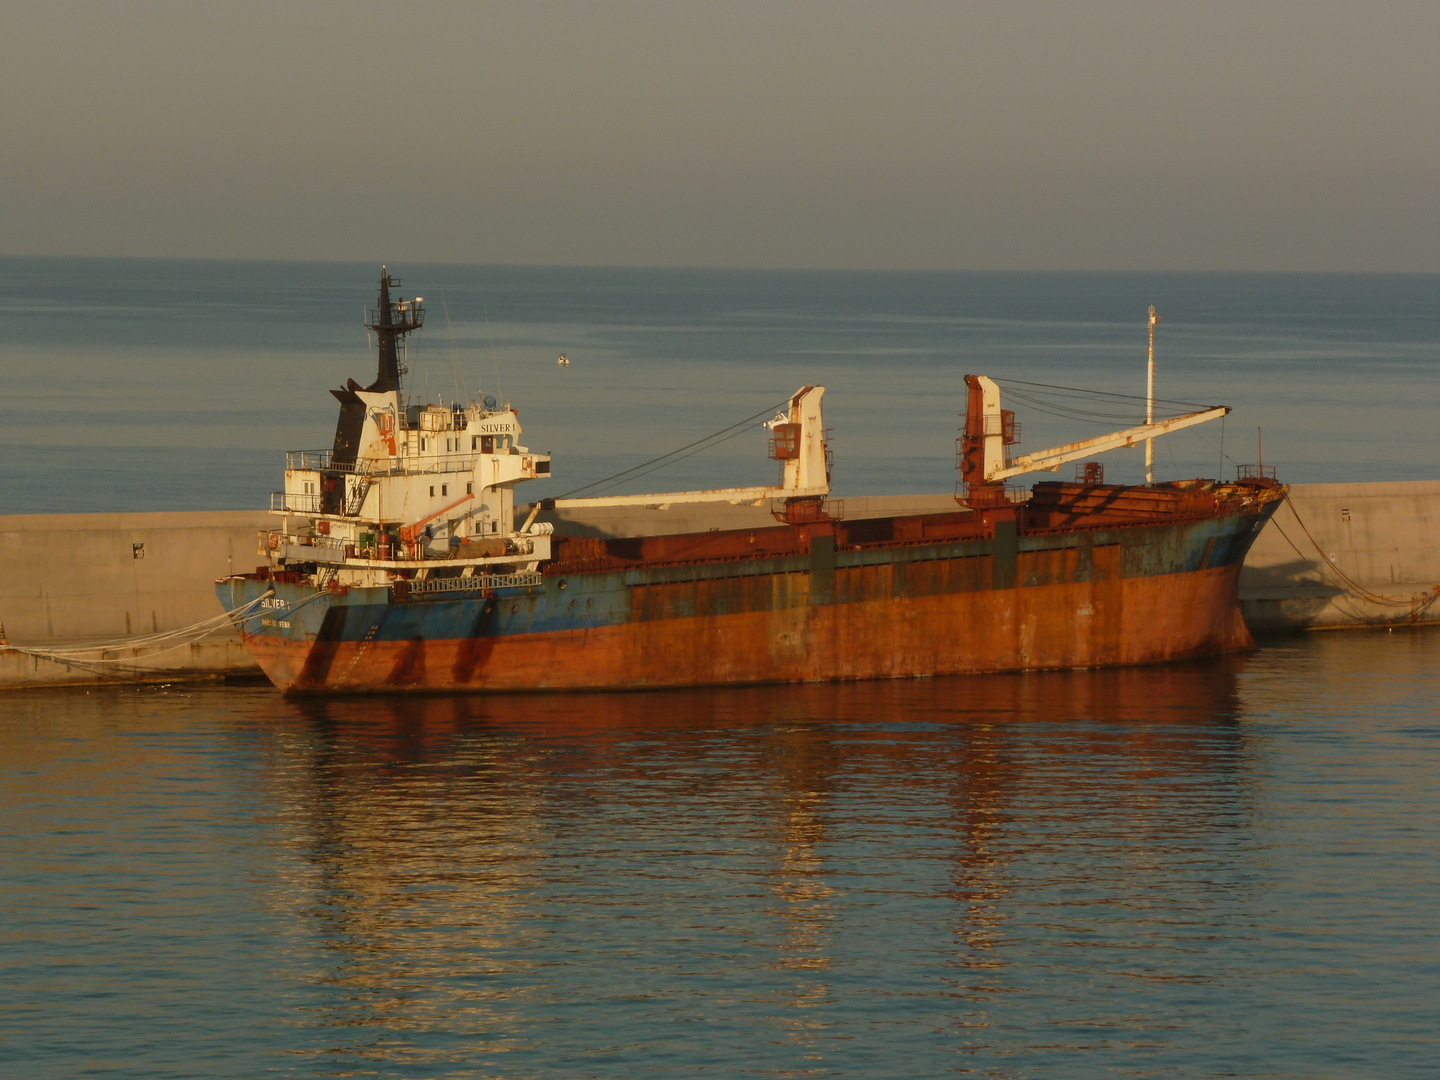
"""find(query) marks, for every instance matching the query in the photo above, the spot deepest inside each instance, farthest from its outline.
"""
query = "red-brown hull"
(1110, 620)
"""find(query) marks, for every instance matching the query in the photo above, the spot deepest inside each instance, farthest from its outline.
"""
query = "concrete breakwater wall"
(1347, 555)
(1338, 555)
(69, 580)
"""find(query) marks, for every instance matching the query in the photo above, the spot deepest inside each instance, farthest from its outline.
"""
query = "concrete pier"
(69, 580)
(1339, 555)
(1344, 556)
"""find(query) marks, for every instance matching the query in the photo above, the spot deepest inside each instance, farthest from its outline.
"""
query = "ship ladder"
(359, 652)
(352, 507)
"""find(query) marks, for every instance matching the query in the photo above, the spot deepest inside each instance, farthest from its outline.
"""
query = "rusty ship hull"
(1080, 576)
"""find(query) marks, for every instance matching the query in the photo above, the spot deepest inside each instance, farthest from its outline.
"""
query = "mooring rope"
(79, 654)
(1415, 603)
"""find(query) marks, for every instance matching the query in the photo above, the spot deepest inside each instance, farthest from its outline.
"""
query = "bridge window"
(444, 489)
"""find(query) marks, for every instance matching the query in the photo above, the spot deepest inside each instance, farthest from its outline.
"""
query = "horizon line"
(722, 268)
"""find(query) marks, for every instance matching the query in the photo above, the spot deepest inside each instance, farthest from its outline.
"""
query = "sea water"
(1219, 868)
(1226, 867)
(178, 385)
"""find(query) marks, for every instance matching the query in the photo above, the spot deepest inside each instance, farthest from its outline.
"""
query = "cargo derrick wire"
(1052, 400)
(688, 450)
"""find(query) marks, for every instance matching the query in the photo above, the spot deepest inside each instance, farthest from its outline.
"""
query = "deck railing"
(320, 461)
(307, 459)
(323, 461)
(477, 583)
(294, 503)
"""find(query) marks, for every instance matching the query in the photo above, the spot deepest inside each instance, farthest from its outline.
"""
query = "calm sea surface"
(1227, 868)
(1217, 869)
(153, 384)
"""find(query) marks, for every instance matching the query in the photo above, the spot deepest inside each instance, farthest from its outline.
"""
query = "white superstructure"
(437, 484)
(425, 489)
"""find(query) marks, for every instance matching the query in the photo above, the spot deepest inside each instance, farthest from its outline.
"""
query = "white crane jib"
(797, 441)
(989, 429)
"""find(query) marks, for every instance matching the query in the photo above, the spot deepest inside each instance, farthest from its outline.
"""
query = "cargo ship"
(402, 562)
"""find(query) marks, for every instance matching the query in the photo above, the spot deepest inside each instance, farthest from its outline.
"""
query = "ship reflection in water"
(1218, 868)
(780, 869)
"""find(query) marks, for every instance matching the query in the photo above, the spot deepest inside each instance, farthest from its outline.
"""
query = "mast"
(391, 320)
(1150, 401)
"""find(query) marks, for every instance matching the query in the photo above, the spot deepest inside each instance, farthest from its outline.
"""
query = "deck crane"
(985, 463)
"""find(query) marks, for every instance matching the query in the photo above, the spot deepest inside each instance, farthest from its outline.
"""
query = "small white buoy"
(564, 360)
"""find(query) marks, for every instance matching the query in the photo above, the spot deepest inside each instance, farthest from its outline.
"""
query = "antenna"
(495, 359)
(1150, 400)
(457, 369)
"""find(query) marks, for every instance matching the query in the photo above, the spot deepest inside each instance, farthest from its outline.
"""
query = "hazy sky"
(1096, 135)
